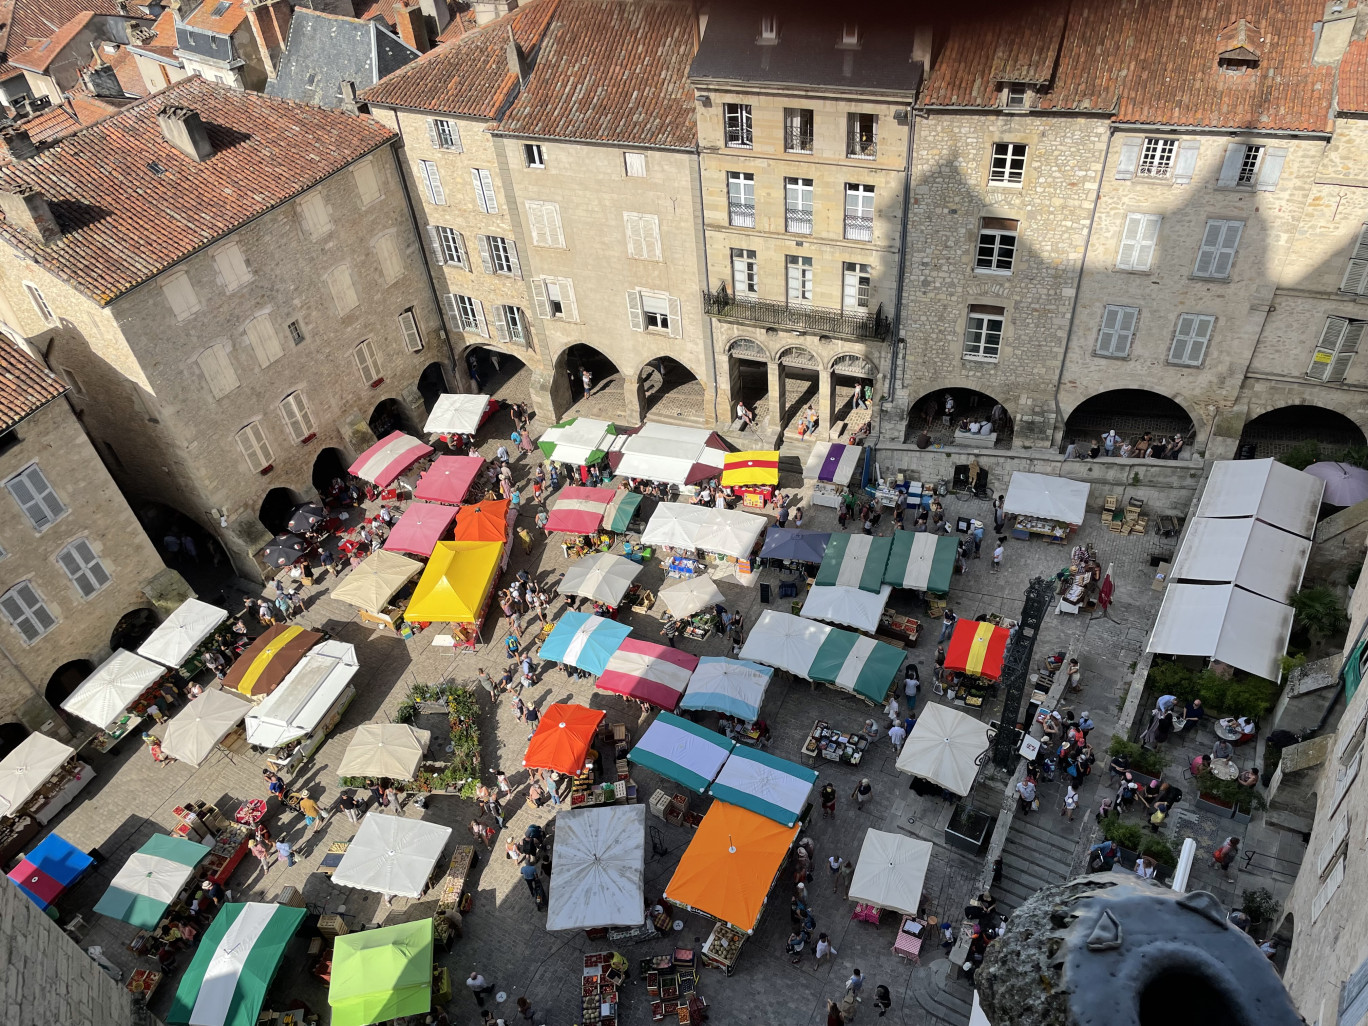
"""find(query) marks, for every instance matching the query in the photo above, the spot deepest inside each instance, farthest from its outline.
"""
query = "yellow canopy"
(756, 467)
(455, 583)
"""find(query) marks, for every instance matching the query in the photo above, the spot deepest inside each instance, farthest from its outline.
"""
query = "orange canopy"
(483, 521)
(730, 864)
(562, 741)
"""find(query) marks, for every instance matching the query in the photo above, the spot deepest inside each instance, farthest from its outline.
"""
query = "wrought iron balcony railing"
(859, 229)
(798, 222)
(741, 215)
(819, 319)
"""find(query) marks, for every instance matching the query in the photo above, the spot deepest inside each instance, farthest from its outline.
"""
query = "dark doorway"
(927, 419)
(387, 417)
(1302, 435)
(490, 369)
(1131, 413)
(276, 508)
(330, 464)
(666, 379)
(65, 679)
(580, 358)
(132, 629)
(431, 384)
(11, 737)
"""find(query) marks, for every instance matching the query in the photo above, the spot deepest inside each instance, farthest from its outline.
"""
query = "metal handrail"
(821, 320)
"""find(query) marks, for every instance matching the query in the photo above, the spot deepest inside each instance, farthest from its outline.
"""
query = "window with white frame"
(296, 332)
(798, 130)
(367, 184)
(798, 206)
(255, 449)
(769, 30)
(1335, 351)
(342, 289)
(387, 252)
(555, 299)
(1016, 96)
(736, 119)
(1138, 239)
(643, 235)
(859, 212)
(634, 165)
(262, 337)
(1118, 328)
(39, 303)
(850, 34)
(30, 489)
(654, 311)
(313, 211)
(799, 277)
(298, 420)
(467, 312)
(1008, 164)
(983, 332)
(232, 268)
(862, 135)
(997, 240)
(533, 155)
(444, 134)
(367, 361)
(1156, 157)
(1219, 242)
(745, 276)
(408, 330)
(499, 255)
(543, 220)
(432, 182)
(855, 288)
(510, 324)
(1241, 165)
(26, 612)
(218, 370)
(180, 294)
(84, 568)
(1356, 274)
(1190, 339)
(448, 246)
(483, 182)
(741, 199)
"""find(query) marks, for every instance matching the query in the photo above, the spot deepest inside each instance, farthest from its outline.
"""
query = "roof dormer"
(1239, 46)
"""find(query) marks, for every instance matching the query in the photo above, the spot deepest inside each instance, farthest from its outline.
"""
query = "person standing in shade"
(828, 795)
(822, 949)
(534, 884)
(846, 874)
(910, 685)
(897, 735)
(861, 793)
(479, 986)
(285, 852)
(350, 806)
(1026, 793)
(947, 625)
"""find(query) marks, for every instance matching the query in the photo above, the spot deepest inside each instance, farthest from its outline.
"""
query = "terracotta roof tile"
(39, 19)
(52, 124)
(26, 386)
(45, 51)
(90, 109)
(123, 222)
(206, 17)
(1353, 78)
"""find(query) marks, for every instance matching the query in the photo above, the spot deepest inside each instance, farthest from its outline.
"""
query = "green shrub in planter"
(1260, 905)
(1229, 791)
(407, 712)
(1160, 850)
(1170, 678)
(1142, 759)
(1128, 835)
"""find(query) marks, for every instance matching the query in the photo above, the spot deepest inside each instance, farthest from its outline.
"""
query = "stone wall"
(1338, 545)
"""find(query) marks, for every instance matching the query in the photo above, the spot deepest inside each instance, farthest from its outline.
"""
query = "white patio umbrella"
(890, 871)
(690, 595)
(385, 750)
(392, 855)
(27, 768)
(456, 412)
(195, 730)
(600, 862)
(112, 688)
(944, 747)
(181, 632)
(602, 577)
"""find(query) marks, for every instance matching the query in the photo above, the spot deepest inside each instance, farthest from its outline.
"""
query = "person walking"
(844, 876)
(828, 796)
(262, 853)
(525, 1009)
(997, 554)
(492, 806)
(861, 793)
(1026, 794)
(534, 884)
(947, 625)
(855, 984)
(351, 807)
(822, 949)
(1070, 805)
(313, 815)
(896, 736)
(284, 852)
(834, 863)
(487, 682)
(1224, 856)
(531, 717)
(479, 986)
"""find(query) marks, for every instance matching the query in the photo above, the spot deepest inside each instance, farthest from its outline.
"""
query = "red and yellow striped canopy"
(977, 647)
(760, 467)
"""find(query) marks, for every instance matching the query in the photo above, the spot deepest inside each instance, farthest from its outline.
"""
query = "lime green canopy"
(382, 974)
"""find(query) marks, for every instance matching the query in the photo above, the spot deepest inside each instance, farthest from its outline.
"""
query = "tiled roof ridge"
(26, 384)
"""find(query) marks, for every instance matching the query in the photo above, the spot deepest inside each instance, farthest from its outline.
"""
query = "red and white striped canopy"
(648, 672)
(388, 458)
(579, 510)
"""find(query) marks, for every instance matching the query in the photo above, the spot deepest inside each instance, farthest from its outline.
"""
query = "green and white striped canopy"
(854, 561)
(579, 440)
(921, 560)
(150, 880)
(817, 652)
(237, 958)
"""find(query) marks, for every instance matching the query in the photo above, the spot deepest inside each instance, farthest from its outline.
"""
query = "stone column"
(826, 404)
(776, 397)
(550, 398)
(634, 399)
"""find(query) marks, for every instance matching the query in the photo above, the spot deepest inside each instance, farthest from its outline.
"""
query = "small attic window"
(850, 33)
(1238, 46)
(221, 9)
(769, 29)
(155, 168)
(1017, 96)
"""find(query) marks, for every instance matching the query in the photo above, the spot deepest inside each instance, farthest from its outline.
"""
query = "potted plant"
(1261, 907)
(1143, 760)
(1227, 799)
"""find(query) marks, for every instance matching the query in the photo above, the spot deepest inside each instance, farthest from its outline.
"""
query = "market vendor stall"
(584, 641)
(388, 458)
(670, 453)
(420, 528)
(826, 742)
(108, 693)
(691, 595)
(261, 668)
(752, 476)
(794, 545)
(455, 413)
(679, 526)
(485, 521)
(890, 871)
(825, 654)
(944, 747)
(294, 719)
(381, 974)
(775, 788)
(579, 441)
(448, 479)
(977, 648)
(852, 607)
(621, 511)
(41, 778)
(682, 751)
(732, 687)
(648, 672)
(601, 577)
(151, 879)
(577, 510)
(600, 866)
(378, 578)
(831, 467)
(236, 960)
(385, 750)
(457, 583)
(1045, 505)
(921, 560)
(27, 768)
(180, 634)
(563, 738)
(49, 869)
(194, 732)
(393, 855)
(855, 561)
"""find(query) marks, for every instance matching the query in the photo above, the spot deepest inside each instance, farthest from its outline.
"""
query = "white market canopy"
(180, 633)
(304, 697)
(1047, 497)
(677, 525)
(670, 453)
(944, 748)
(690, 595)
(600, 869)
(580, 441)
(1223, 622)
(193, 732)
(731, 686)
(852, 607)
(890, 871)
(456, 413)
(385, 750)
(28, 768)
(103, 696)
(833, 462)
(1244, 551)
(392, 855)
(1266, 490)
(601, 577)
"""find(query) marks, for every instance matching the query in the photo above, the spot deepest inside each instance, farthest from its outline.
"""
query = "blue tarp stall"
(584, 641)
(794, 543)
(765, 784)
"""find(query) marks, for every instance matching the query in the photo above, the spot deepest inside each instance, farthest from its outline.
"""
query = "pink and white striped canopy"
(388, 458)
(579, 510)
(648, 672)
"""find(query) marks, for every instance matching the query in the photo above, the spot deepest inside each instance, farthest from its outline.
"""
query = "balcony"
(798, 222)
(859, 229)
(741, 215)
(798, 140)
(816, 319)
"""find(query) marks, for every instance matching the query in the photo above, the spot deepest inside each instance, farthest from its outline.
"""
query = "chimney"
(921, 49)
(271, 25)
(517, 60)
(347, 96)
(412, 27)
(100, 78)
(439, 17)
(21, 107)
(18, 144)
(27, 209)
(486, 10)
(184, 130)
(121, 7)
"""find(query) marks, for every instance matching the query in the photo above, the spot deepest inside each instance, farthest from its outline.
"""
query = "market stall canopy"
(150, 880)
(855, 561)
(484, 521)
(580, 441)
(682, 751)
(192, 733)
(261, 668)
(1223, 622)
(456, 413)
(618, 516)
(890, 871)
(600, 576)
(833, 462)
(1345, 484)
(817, 652)
(584, 641)
(448, 479)
(775, 788)
(678, 525)
(690, 595)
(977, 647)
(578, 510)
(921, 560)
(755, 467)
(670, 453)
(177, 637)
(385, 750)
(730, 865)
(944, 748)
(52, 866)
(730, 686)
(1265, 490)
(849, 606)
(388, 458)
(227, 980)
(112, 688)
(420, 528)
(648, 672)
(562, 738)
(28, 768)
(304, 697)
(378, 578)
(1047, 496)
(306, 517)
(1256, 556)
(392, 855)
(600, 869)
(383, 974)
(284, 549)
(456, 582)
(794, 543)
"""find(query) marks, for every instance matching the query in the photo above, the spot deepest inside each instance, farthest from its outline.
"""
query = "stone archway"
(329, 465)
(66, 679)
(1131, 413)
(928, 423)
(671, 390)
(593, 385)
(275, 509)
(748, 379)
(432, 383)
(799, 386)
(133, 628)
(12, 735)
(1302, 435)
(388, 416)
(854, 390)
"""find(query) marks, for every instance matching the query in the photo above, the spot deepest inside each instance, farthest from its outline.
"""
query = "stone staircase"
(943, 994)
(1034, 857)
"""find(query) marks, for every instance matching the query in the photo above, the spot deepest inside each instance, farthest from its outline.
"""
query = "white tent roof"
(682, 526)
(27, 768)
(600, 865)
(456, 412)
(890, 871)
(943, 748)
(1265, 489)
(181, 632)
(690, 595)
(392, 855)
(195, 730)
(850, 606)
(665, 452)
(785, 641)
(1225, 622)
(384, 750)
(1256, 556)
(106, 693)
(309, 690)
(602, 577)
(1047, 496)
(579, 439)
